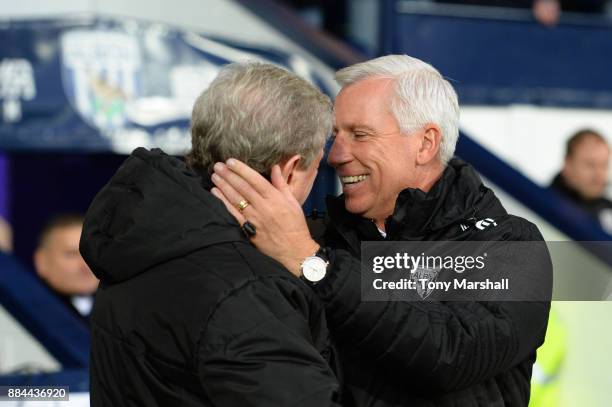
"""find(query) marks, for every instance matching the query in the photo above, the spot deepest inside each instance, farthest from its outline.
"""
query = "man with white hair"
(396, 126)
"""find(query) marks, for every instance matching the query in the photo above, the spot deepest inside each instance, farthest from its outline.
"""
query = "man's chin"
(356, 208)
(591, 195)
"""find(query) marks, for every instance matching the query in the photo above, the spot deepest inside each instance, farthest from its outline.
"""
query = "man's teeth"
(353, 179)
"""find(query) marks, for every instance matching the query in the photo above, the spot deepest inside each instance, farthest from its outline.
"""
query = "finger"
(238, 185)
(250, 176)
(230, 208)
(232, 196)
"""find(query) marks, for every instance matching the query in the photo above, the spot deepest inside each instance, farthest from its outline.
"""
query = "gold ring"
(242, 205)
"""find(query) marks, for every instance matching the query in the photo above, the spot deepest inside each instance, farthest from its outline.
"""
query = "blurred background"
(84, 82)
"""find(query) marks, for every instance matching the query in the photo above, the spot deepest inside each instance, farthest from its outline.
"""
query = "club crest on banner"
(100, 74)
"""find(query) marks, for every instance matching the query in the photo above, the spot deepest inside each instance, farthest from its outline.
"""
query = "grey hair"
(259, 114)
(422, 95)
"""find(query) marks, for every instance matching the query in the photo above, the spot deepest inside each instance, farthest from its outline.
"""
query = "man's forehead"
(362, 102)
(370, 87)
(592, 144)
(65, 234)
(371, 82)
(358, 123)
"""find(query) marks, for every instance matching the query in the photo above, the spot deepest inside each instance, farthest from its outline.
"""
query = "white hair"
(423, 95)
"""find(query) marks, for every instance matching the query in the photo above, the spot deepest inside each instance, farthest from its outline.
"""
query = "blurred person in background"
(584, 176)
(6, 236)
(546, 12)
(331, 16)
(59, 264)
(548, 367)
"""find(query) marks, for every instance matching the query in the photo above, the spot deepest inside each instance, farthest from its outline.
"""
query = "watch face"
(314, 269)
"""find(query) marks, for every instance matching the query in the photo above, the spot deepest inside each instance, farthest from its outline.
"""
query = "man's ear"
(289, 166)
(567, 167)
(431, 139)
(39, 262)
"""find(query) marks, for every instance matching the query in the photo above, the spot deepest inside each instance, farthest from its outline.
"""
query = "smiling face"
(374, 160)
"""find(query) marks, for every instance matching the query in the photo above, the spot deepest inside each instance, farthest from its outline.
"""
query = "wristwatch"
(314, 268)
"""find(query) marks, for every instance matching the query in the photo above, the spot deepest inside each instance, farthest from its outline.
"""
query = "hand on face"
(281, 230)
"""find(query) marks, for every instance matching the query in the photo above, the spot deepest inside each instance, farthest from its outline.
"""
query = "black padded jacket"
(447, 354)
(188, 312)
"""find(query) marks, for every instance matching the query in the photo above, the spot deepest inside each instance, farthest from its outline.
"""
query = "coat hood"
(152, 210)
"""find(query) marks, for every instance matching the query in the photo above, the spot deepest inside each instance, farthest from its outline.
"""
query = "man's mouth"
(353, 179)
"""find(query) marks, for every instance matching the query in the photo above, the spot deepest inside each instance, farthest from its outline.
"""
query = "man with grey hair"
(396, 126)
(188, 312)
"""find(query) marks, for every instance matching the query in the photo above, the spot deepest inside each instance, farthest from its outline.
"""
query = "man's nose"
(339, 153)
(83, 265)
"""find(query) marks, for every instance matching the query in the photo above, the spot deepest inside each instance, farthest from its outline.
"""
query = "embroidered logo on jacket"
(485, 223)
(426, 275)
(480, 224)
